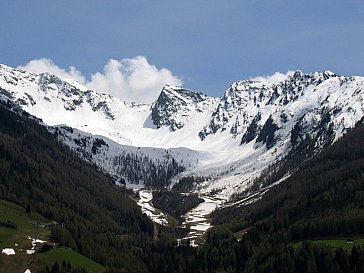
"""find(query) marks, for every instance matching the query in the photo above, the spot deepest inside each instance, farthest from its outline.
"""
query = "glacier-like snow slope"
(229, 139)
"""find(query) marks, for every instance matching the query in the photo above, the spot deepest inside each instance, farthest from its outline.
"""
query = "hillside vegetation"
(37, 171)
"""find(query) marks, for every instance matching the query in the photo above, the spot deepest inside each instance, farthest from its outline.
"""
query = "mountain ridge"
(232, 138)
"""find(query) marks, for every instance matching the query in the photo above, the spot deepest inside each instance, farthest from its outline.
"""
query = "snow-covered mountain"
(227, 141)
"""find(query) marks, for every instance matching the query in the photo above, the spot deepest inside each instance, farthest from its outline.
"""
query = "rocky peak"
(54, 87)
(184, 95)
(174, 106)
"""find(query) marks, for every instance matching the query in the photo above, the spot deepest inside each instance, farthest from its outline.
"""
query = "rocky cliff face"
(174, 106)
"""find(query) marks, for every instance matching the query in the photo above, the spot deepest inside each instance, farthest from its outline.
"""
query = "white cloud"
(47, 65)
(276, 77)
(132, 79)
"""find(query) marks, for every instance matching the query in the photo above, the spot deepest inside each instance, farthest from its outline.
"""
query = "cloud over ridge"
(130, 79)
(276, 77)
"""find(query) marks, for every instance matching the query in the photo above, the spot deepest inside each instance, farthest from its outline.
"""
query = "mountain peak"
(182, 94)
(174, 105)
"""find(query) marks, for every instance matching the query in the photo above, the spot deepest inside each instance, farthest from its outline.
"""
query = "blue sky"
(205, 44)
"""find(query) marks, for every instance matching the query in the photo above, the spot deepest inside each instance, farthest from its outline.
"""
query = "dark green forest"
(323, 199)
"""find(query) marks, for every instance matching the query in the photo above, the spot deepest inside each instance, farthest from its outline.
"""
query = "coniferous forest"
(323, 199)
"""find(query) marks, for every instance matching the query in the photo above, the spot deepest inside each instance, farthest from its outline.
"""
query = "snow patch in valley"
(145, 202)
(35, 242)
(197, 219)
(8, 251)
(38, 241)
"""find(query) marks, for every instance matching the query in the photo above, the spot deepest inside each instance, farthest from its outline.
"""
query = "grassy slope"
(9, 237)
(21, 261)
(67, 254)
